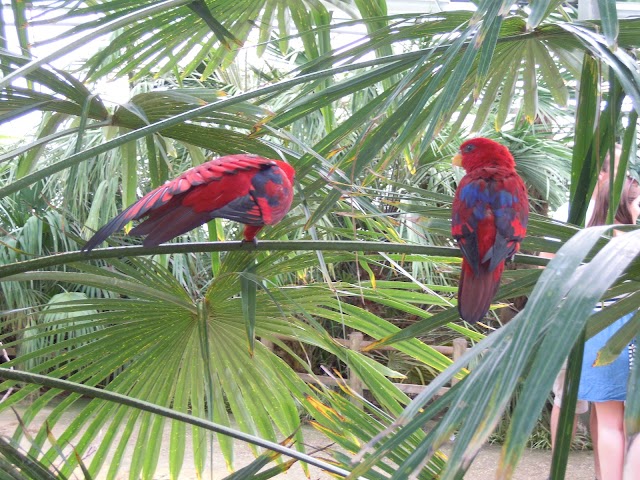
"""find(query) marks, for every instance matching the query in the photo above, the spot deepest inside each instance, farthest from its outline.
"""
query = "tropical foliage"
(154, 334)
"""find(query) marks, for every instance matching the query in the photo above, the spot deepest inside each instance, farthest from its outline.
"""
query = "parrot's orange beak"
(457, 160)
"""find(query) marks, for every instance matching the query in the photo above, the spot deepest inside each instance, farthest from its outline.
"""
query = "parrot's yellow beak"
(457, 160)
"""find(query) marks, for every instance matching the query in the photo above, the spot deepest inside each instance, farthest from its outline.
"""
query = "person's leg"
(593, 428)
(555, 416)
(581, 407)
(632, 465)
(610, 438)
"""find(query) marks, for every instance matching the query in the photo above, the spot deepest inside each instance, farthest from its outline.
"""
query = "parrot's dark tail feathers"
(101, 235)
(476, 292)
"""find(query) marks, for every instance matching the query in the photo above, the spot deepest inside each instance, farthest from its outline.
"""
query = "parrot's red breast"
(248, 189)
(490, 214)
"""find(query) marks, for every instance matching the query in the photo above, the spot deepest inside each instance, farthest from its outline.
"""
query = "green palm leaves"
(358, 120)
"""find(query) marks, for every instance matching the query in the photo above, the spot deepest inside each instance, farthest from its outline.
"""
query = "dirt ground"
(533, 466)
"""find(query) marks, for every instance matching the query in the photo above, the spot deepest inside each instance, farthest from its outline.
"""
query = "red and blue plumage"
(245, 188)
(489, 220)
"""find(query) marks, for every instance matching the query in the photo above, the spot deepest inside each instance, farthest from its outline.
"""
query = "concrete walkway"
(533, 466)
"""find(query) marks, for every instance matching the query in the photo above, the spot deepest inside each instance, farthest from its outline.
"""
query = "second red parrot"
(248, 189)
(489, 220)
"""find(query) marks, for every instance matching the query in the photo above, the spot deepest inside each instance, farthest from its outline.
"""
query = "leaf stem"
(294, 245)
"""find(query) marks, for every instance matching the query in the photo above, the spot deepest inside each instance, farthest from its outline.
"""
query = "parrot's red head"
(481, 152)
(287, 169)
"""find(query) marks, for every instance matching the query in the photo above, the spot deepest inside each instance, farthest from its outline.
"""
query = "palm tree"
(356, 121)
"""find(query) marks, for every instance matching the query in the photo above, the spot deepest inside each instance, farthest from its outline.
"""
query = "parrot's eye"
(469, 148)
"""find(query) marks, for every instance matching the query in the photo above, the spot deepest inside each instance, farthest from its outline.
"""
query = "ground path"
(533, 466)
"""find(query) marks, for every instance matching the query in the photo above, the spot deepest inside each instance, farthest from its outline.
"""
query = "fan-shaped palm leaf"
(206, 367)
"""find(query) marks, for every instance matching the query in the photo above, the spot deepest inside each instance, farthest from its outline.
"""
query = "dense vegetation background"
(369, 106)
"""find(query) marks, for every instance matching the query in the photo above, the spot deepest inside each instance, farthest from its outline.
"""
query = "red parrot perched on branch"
(490, 214)
(248, 189)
